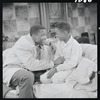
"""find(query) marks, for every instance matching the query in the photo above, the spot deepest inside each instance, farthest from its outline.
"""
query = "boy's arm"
(58, 61)
(53, 70)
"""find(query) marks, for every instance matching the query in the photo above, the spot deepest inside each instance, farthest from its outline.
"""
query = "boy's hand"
(51, 72)
(59, 60)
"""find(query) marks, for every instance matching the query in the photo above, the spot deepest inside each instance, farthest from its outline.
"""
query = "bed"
(68, 90)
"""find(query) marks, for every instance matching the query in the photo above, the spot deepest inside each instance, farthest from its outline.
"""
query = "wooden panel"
(17, 20)
(55, 10)
(21, 12)
(33, 10)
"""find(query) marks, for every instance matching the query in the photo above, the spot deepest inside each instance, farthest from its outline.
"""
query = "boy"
(68, 48)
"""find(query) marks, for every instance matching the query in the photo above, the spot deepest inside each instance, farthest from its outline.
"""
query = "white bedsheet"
(60, 91)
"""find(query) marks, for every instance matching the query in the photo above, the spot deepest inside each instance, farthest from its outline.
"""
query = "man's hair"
(63, 26)
(35, 29)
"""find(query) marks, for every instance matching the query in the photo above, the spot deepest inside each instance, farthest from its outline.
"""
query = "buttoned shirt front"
(71, 51)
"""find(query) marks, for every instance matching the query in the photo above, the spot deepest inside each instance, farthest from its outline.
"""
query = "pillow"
(83, 71)
(92, 86)
(90, 51)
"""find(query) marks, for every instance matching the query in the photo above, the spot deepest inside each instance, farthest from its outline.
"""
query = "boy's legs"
(44, 79)
(60, 76)
(24, 79)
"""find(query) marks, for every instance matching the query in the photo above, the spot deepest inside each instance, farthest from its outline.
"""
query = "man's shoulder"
(21, 40)
(24, 42)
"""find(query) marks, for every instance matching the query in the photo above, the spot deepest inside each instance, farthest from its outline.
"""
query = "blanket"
(60, 91)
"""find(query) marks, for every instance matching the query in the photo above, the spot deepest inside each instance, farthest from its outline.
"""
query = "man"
(22, 63)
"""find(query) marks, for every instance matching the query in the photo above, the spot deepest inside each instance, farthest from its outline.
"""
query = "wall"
(83, 18)
(17, 20)
(19, 17)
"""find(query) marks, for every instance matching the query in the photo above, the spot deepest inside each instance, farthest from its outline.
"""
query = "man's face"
(40, 37)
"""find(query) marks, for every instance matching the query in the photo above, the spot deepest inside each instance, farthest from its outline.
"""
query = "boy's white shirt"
(23, 56)
(71, 51)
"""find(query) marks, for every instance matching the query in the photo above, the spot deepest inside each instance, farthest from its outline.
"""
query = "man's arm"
(27, 57)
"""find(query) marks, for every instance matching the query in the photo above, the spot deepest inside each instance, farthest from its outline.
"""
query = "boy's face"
(62, 35)
(40, 37)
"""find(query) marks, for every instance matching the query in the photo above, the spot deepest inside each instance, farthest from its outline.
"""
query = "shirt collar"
(69, 41)
(29, 38)
(33, 42)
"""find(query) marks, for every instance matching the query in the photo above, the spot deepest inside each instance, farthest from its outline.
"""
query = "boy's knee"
(44, 79)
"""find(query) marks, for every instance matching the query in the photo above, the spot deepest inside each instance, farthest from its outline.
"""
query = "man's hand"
(51, 44)
(51, 72)
(59, 60)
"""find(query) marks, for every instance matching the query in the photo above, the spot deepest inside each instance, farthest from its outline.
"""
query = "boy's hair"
(53, 25)
(63, 26)
(35, 29)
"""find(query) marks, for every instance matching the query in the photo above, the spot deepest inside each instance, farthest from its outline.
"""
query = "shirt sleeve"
(27, 57)
(76, 54)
